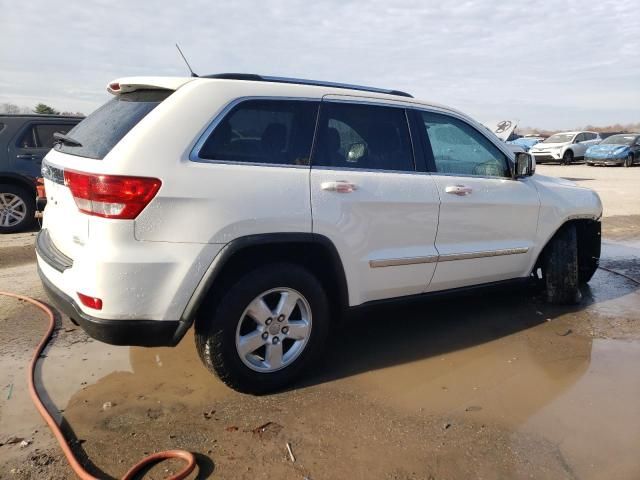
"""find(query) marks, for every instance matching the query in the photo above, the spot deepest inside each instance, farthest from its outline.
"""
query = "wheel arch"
(313, 251)
(588, 234)
(18, 180)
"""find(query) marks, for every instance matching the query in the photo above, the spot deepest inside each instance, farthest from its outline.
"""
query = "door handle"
(460, 190)
(340, 186)
(26, 156)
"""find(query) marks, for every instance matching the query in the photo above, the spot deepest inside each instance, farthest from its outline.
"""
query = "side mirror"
(356, 152)
(525, 165)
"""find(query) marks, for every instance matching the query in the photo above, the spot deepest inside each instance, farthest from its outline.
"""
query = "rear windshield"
(104, 128)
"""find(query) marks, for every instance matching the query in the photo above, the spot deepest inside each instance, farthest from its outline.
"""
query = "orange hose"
(188, 457)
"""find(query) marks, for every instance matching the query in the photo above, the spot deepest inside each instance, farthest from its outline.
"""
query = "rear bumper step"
(50, 254)
(143, 333)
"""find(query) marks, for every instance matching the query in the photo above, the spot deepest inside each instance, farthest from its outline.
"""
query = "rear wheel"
(265, 330)
(17, 208)
(567, 158)
(560, 267)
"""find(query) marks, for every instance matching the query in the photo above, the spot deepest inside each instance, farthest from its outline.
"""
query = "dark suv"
(24, 141)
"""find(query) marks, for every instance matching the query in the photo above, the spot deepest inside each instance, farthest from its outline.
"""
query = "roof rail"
(299, 81)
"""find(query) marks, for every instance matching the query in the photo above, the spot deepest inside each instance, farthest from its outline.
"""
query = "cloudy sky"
(551, 64)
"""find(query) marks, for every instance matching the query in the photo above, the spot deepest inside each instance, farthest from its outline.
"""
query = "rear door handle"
(460, 190)
(340, 186)
(26, 156)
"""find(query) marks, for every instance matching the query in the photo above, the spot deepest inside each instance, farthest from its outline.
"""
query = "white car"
(564, 147)
(261, 209)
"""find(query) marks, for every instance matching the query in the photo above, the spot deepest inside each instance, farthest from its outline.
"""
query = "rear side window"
(104, 128)
(363, 136)
(41, 135)
(277, 132)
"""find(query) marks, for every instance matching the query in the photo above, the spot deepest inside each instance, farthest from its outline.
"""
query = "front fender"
(560, 202)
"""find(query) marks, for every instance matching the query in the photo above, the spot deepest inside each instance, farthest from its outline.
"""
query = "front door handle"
(340, 186)
(460, 190)
(26, 156)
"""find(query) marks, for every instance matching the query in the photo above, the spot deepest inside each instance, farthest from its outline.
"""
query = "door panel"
(486, 235)
(488, 221)
(382, 221)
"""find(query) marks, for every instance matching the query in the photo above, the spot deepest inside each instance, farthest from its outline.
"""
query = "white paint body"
(149, 268)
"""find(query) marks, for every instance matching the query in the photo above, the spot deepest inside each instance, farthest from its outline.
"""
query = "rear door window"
(276, 132)
(40, 135)
(104, 128)
(370, 137)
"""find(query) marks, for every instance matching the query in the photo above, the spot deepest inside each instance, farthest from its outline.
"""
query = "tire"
(17, 208)
(221, 323)
(560, 267)
(567, 158)
(628, 162)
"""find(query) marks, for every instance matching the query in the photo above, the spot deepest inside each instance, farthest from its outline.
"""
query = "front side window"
(459, 149)
(580, 138)
(276, 132)
(363, 136)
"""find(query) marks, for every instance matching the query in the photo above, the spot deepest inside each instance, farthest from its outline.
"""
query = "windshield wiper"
(66, 140)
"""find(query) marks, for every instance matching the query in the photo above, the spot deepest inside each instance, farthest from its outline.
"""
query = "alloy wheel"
(273, 330)
(13, 210)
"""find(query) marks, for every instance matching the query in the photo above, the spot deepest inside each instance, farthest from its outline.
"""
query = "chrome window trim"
(194, 155)
(450, 257)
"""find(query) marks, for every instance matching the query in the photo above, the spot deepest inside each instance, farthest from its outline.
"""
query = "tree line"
(40, 108)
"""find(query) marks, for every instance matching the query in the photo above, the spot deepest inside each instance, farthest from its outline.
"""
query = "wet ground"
(499, 385)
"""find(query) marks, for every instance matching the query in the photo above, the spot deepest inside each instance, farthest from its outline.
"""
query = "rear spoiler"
(131, 84)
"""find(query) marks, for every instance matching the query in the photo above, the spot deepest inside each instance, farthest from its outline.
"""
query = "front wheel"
(628, 162)
(560, 267)
(567, 158)
(265, 330)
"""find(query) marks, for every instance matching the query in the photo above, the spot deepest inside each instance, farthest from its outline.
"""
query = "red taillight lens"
(91, 302)
(111, 196)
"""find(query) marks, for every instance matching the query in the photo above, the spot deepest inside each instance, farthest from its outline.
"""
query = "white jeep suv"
(564, 147)
(260, 209)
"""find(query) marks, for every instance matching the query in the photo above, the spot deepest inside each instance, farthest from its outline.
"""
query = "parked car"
(621, 149)
(263, 209)
(564, 147)
(525, 142)
(24, 140)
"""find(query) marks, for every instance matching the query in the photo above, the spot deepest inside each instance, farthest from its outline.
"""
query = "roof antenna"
(193, 74)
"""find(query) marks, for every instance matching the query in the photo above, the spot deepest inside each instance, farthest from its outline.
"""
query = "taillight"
(111, 196)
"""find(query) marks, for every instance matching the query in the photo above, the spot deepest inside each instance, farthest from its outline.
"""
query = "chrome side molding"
(394, 262)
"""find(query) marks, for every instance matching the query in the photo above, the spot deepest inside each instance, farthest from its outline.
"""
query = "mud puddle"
(496, 386)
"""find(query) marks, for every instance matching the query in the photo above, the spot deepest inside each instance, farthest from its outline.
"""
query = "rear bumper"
(144, 333)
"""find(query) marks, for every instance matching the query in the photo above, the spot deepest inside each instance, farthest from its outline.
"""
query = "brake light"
(91, 302)
(111, 196)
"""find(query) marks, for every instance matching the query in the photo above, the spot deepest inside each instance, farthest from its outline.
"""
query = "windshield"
(560, 138)
(103, 129)
(619, 140)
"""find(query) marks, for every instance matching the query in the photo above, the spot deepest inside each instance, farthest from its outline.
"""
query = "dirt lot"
(492, 386)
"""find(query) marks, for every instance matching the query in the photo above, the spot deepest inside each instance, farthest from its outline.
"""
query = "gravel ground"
(491, 386)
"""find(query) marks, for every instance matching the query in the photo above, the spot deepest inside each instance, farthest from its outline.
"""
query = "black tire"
(560, 268)
(628, 162)
(28, 198)
(567, 158)
(215, 332)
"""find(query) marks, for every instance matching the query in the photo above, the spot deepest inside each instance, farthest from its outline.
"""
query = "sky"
(549, 64)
